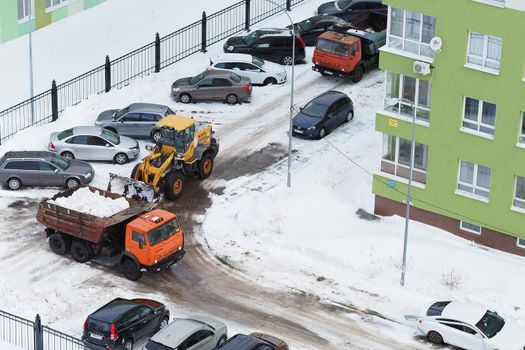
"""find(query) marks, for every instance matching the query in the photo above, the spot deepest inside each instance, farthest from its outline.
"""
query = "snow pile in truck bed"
(94, 203)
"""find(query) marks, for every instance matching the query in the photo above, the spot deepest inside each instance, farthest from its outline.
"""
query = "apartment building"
(455, 71)
(15, 18)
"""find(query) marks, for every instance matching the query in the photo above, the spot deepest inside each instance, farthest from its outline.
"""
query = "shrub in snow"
(94, 203)
(452, 278)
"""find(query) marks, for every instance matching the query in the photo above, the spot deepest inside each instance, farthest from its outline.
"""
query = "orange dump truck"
(137, 238)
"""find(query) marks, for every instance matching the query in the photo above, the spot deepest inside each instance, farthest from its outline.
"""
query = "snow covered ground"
(7, 346)
(306, 238)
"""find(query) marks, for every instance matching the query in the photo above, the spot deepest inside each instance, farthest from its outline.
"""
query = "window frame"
(399, 99)
(484, 58)
(479, 121)
(26, 16)
(396, 162)
(521, 130)
(474, 184)
(54, 7)
(518, 244)
(515, 198)
(467, 229)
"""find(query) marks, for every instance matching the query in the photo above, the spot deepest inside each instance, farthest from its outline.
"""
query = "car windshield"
(121, 113)
(490, 324)
(59, 162)
(251, 38)
(163, 232)
(315, 110)
(343, 4)
(152, 345)
(64, 134)
(110, 136)
(257, 61)
(194, 80)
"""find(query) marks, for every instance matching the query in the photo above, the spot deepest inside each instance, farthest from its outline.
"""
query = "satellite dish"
(436, 43)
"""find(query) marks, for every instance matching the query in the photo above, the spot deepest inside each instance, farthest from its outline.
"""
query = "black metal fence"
(32, 335)
(151, 58)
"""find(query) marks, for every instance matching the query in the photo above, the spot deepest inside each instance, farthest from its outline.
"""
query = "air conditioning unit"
(422, 68)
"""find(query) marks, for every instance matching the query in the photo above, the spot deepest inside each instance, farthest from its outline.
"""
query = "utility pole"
(31, 86)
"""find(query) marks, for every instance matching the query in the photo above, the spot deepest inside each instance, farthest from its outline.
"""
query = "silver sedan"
(93, 143)
(195, 333)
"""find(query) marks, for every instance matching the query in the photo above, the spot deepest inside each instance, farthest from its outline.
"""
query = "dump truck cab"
(154, 240)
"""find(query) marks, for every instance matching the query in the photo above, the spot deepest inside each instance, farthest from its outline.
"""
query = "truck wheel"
(81, 251)
(358, 74)
(205, 166)
(174, 185)
(131, 270)
(59, 244)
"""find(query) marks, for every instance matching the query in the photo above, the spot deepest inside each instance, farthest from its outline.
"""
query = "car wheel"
(67, 155)
(81, 251)
(232, 99)
(121, 158)
(322, 133)
(185, 98)
(72, 183)
(287, 60)
(350, 116)
(164, 322)
(358, 74)
(128, 344)
(270, 81)
(156, 136)
(221, 341)
(205, 166)
(58, 244)
(435, 338)
(174, 185)
(131, 269)
(14, 183)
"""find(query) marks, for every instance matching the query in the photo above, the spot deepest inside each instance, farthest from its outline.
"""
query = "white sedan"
(259, 71)
(468, 326)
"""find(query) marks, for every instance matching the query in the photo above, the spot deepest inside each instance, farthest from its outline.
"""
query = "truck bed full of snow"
(87, 201)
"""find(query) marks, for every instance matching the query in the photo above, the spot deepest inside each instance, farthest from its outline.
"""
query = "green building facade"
(455, 69)
(14, 14)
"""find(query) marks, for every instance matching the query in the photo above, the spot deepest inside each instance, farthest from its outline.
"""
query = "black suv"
(254, 341)
(350, 9)
(119, 323)
(272, 44)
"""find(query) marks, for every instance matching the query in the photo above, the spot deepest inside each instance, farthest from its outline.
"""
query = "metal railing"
(148, 59)
(32, 335)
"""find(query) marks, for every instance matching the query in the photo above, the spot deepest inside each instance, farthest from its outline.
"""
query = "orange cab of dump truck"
(154, 239)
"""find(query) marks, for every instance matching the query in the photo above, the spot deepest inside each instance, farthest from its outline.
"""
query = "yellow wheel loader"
(185, 150)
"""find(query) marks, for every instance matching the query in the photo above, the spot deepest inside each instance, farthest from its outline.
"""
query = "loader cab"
(177, 133)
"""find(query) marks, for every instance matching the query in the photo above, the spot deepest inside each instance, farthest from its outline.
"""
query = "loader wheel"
(134, 171)
(174, 185)
(59, 244)
(131, 270)
(205, 166)
(81, 251)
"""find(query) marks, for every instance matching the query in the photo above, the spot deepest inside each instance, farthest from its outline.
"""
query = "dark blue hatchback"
(323, 114)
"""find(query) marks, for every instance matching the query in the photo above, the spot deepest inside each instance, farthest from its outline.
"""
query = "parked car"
(323, 114)
(121, 322)
(213, 85)
(254, 341)
(349, 9)
(272, 44)
(195, 333)
(135, 120)
(468, 326)
(41, 168)
(93, 143)
(259, 71)
(310, 29)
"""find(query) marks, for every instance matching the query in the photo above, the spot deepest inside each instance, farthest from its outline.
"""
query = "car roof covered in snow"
(465, 312)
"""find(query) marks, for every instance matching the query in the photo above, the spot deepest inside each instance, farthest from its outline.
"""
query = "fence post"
(157, 53)
(204, 24)
(54, 101)
(288, 5)
(247, 15)
(39, 334)
(107, 71)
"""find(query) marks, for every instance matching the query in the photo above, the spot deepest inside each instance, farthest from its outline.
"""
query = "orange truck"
(137, 238)
(351, 49)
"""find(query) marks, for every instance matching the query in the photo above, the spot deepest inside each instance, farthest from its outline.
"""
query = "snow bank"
(94, 203)
(8, 346)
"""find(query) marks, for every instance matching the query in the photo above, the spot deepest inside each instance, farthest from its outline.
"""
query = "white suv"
(259, 71)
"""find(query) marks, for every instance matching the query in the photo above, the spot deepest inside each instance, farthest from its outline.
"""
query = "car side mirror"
(197, 86)
(301, 108)
(236, 68)
(108, 145)
(57, 170)
(477, 335)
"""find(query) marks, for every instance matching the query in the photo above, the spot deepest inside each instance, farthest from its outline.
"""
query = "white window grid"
(521, 138)
(400, 102)
(474, 189)
(483, 58)
(54, 4)
(467, 226)
(421, 45)
(518, 201)
(25, 10)
(396, 156)
(520, 242)
(478, 122)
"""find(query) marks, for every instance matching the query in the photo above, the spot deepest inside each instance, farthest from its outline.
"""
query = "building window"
(484, 50)
(396, 158)
(520, 242)
(519, 195)
(522, 129)
(467, 226)
(479, 116)
(474, 179)
(53, 3)
(411, 31)
(408, 96)
(23, 9)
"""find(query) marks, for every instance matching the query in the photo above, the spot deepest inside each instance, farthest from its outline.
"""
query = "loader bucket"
(130, 188)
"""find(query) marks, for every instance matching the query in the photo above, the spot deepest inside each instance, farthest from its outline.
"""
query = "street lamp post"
(31, 86)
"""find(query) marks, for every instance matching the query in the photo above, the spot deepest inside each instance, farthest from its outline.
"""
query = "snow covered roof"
(465, 312)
